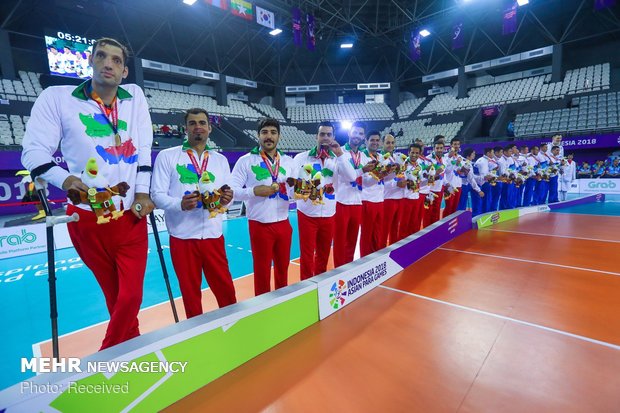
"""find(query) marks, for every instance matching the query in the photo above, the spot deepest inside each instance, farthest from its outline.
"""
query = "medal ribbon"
(205, 162)
(357, 158)
(110, 114)
(439, 160)
(274, 168)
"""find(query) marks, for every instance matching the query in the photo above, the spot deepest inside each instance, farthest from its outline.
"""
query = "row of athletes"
(101, 123)
(104, 132)
(362, 187)
(515, 177)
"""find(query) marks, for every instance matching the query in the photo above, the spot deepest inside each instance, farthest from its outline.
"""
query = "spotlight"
(346, 45)
(424, 33)
(275, 32)
(345, 124)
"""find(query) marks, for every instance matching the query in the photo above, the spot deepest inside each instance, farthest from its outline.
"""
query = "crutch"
(164, 270)
(50, 221)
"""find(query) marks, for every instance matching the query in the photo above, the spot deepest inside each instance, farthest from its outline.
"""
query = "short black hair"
(112, 42)
(468, 152)
(498, 148)
(196, 111)
(372, 133)
(488, 149)
(535, 146)
(358, 124)
(554, 147)
(507, 147)
(439, 142)
(326, 124)
(268, 122)
(522, 147)
(439, 138)
(415, 145)
(455, 139)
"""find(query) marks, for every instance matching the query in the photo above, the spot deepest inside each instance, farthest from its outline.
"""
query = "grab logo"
(602, 185)
(16, 239)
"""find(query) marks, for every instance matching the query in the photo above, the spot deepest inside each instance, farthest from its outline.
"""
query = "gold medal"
(117, 139)
(92, 191)
(275, 186)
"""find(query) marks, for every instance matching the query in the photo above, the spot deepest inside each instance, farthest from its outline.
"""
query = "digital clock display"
(75, 38)
(67, 54)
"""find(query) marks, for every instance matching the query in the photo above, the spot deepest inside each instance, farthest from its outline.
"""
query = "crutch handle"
(53, 220)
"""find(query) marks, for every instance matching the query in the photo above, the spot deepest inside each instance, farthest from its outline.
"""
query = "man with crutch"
(105, 134)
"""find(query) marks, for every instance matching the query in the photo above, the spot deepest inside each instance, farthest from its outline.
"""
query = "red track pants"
(348, 219)
(372, 220)
(412, 216)
(392, 217)
(116, 254)
(431, 214)
(192, 257)
(270, 243)
(452, 203)
(315, 241)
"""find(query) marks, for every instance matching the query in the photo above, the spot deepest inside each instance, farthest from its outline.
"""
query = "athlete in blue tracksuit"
(469, 184)
(497, 189)
(521, 160)
(508, 198)
(543, 167)
(530, 182)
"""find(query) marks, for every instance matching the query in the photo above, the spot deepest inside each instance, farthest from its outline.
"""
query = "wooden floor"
(517, 318)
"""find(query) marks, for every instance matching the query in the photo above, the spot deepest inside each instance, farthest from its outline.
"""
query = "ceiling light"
(424, 33)
(346, 45)
(275, 32)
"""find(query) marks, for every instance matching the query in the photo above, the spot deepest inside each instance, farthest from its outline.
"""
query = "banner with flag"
(415, 49)
(222, 4)
(265, 18)
(458, 37)
(510, 19)
(242, 9)
(297, 39)
(311, 40)
(603, 4)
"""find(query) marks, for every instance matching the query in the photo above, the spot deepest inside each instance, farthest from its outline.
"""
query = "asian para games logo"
(338, 294)
(495, 218)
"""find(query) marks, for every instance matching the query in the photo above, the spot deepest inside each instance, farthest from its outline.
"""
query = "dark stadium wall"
(586, 53)
(31, 60)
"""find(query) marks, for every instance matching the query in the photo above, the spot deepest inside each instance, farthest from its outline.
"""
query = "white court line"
(502, 317)
(530, 261)
(294, 263)
(151, 389)
(550, 235)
